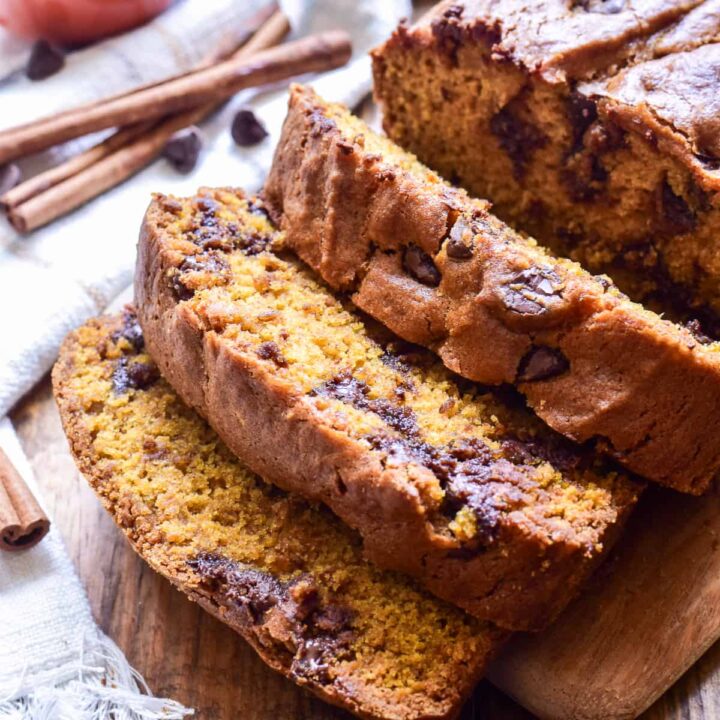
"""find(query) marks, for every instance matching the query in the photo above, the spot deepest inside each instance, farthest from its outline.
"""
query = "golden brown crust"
(672, 99)
(522, 581)
(561, 39)
(643, 387)
(267, 632)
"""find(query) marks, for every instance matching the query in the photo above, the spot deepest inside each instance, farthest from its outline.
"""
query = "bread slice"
(444, 481)
(438, 269)
(286, 575)
(592, 125)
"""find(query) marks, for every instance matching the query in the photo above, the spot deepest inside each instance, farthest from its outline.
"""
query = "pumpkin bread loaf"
(286, 575)
(438, 269)
(594, 125)
(466, 491)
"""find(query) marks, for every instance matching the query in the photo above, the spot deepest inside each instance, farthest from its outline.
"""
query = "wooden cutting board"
(650, 613)
(647, 616)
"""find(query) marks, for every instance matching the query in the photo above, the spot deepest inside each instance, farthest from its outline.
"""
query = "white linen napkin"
(54, 660)
(54, 279)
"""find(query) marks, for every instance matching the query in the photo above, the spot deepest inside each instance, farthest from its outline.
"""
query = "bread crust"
(267, 635)
(645, 389)
(520, 582)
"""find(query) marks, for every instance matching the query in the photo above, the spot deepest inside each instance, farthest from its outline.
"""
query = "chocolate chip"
(459, 244)
(584, 176)
(561, 453)
(180, 290)
(399, 450)
(348, 389)
(246, 129)
(540, 363)
(531, 291)
(708, 161)
(207, 232)
(320, 633)
(211, 262)
(131, 330)
(333, 619)
(605, 281)
(313, 660)
(320, 124)
(45, 60)
(392, 360)
(448, 32)
(421, 266)
(601, 138)
(270, 351)
(257, 207)
(471, 471)
(518, 137)
(133, 376)
(602, 7)
(252, 243)
(207, 205)
(330, 641)
(676, 216)
(581, 112)
(10, 176)
(254, 590)
(398, 417)
(142, 375)
(212, 237)
(695, 328)
(182, 150)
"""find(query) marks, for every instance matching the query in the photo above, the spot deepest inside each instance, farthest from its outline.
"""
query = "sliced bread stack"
(335, 485)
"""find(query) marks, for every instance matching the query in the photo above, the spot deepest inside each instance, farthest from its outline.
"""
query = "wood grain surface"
(186, 654)
(643, 619)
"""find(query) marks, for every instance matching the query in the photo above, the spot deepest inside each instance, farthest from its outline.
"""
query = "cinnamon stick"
(109, 169)
(314, 53)
(108, 172)
(264, 29)
(42, 181)
(22, 521)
